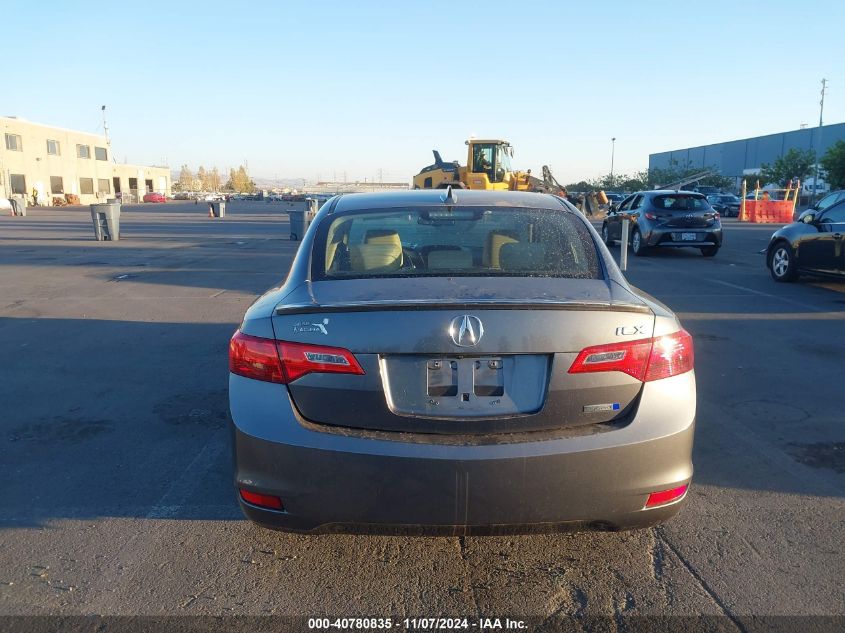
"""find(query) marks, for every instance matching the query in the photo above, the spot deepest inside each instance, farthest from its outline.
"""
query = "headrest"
(493, 246)
(380, 253)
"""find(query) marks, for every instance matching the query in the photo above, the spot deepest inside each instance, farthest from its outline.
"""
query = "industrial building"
(54, 162)
(745, 157)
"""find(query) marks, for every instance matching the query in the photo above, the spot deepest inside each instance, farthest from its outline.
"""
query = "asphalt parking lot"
(114, 448)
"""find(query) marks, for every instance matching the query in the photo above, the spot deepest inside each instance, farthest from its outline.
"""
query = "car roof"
(675, 192)
(435, 197)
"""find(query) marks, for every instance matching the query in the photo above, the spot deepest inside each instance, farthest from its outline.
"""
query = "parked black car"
(824, 202)
(725, 203)
(812, 245)
(666, 218)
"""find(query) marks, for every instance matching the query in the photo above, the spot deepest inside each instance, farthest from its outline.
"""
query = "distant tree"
(795, 163)
(239, 181)
(214, 180)
(186, 178)
(202, 176)
(580, 186)
(833, 163)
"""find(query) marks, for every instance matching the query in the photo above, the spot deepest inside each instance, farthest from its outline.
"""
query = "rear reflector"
(646, 359)
(666, 496)
(283, 362)
(265, 501)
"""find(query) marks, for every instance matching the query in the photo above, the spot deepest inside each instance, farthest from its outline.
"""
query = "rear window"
(456, 241)
(680, 202)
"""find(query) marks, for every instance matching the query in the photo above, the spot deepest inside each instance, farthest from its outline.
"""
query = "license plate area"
(444, 376)
(465, 387)
(685, 237)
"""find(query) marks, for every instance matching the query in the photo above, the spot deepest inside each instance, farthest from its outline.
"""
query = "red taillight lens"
(265, 501)
(646, 360)
(283, 362)
(299, 359)
(670, 355)
(650, 216)
(666, 496)
(255, 357)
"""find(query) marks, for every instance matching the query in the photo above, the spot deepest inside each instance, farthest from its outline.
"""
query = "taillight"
(255, 357)
(646, 359)
(299, 359)
(283, 362)
(650, 216)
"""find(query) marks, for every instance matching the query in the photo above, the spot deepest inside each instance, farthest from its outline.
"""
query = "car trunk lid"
(463, 361)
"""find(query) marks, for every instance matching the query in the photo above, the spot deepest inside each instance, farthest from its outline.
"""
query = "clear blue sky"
(301, 89)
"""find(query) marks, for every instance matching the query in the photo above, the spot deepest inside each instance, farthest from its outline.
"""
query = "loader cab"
(489, 164)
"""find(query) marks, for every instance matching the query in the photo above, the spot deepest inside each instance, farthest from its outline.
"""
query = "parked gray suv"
(666, 218)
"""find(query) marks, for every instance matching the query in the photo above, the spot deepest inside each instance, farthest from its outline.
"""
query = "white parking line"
(760, 293)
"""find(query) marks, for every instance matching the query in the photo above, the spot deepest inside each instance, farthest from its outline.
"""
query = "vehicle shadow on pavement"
(114, 418)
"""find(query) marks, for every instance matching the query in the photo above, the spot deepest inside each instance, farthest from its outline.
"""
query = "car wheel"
(782, 263)
(709, 251)
(637, 245)
(605, 235)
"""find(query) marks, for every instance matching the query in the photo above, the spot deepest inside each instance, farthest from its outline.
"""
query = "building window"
(18, 183)
(13, 143)
(57, 185)
(53, 148)
(83, 151)
(86, 185)
(103, 185)
(100, 153)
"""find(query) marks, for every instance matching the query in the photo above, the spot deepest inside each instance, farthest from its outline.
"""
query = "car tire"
(637, 247)
(605, 235)
(782, 263)
(709, 251)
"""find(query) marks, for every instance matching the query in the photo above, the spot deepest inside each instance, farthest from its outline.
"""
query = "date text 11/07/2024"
(417, 624)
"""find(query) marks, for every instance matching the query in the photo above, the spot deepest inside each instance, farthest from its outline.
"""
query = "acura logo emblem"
(466, 330)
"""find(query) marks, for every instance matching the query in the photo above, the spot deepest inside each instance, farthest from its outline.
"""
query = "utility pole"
(612, 156)
(105, 126)
(819, 142)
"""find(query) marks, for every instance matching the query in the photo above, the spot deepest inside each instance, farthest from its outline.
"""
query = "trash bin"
(106, 218)
(218, 209)
(18, 206)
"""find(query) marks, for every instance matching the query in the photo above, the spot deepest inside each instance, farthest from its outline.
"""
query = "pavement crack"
(462, 552)
(660, 535)
(658, 557)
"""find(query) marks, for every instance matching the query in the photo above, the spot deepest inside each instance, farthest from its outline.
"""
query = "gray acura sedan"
(459, 362)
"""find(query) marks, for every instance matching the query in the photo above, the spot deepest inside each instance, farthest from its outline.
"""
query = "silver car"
(459, 362)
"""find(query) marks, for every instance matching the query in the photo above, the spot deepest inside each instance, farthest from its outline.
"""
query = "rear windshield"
(681, 202)
(456, 241)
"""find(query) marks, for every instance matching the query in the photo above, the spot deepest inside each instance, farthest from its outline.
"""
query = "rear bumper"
(341, 482)
(708, 236)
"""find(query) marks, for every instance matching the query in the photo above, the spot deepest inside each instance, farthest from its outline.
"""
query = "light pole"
(818, 144)
(612, 156)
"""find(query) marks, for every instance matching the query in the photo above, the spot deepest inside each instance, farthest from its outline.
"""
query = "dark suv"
(666, 218)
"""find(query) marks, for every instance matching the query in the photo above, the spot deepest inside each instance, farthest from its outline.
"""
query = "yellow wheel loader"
(488, 167)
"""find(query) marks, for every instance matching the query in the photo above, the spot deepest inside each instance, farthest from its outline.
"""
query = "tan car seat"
(493, 246)
(381, 252)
